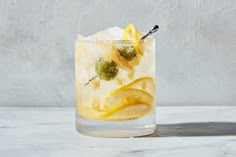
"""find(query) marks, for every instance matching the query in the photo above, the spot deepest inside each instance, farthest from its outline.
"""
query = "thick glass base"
(131, 128)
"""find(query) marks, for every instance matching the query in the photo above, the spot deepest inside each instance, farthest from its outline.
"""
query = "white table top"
(50, 132)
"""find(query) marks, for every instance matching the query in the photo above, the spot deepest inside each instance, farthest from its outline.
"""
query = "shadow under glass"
(195, 129)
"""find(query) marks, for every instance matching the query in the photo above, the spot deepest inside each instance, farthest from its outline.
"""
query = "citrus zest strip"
(131, 30)
(141, 79)
(135, 97)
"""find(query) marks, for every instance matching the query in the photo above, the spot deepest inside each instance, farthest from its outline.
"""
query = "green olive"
(127, 52)
(106, 70)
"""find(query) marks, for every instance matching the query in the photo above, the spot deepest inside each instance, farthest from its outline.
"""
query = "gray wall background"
(196, 47)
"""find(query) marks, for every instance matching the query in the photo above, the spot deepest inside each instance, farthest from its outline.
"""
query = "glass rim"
(111, 41)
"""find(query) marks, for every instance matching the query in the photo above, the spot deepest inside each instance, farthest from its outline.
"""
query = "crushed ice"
(112, 33)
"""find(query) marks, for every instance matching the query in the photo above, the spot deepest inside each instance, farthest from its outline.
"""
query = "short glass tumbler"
(115, 87)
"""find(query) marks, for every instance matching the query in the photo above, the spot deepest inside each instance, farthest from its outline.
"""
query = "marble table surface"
(182, 131)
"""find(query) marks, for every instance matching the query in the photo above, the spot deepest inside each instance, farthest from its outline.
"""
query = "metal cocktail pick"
(153, 30)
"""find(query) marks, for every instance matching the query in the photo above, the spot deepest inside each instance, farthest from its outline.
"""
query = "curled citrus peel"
(131, 33)
(143, 83)
(138, 94)
(121, 99)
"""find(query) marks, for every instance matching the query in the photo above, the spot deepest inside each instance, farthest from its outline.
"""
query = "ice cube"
(112, 33)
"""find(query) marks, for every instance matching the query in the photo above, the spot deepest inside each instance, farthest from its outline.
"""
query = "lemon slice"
(127, 112)
(131, 33)
(121, 99)
(143, 83)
